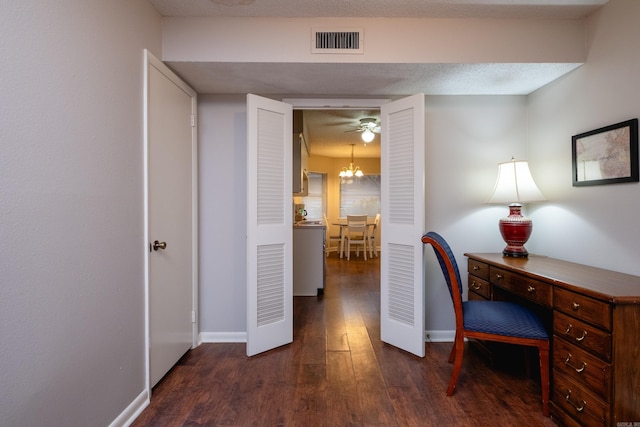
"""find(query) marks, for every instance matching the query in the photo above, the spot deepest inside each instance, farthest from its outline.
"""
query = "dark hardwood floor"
(337, 372)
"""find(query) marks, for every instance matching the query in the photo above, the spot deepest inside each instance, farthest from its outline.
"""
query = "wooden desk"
(595, 320)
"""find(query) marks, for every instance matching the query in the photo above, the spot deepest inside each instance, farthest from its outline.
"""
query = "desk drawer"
(479, 269)
(582, 335)
(582, 307)
(479, 286)
(579, 403)
(583, 368)
(539, 292)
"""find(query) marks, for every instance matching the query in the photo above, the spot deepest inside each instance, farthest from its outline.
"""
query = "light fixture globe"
(368, 135)
(515, 184)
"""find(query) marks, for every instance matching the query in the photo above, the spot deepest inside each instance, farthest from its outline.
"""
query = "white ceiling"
(329, 130)
(380, 8)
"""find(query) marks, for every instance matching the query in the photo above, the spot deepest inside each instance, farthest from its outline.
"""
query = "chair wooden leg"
(544, 376)
(457, 364)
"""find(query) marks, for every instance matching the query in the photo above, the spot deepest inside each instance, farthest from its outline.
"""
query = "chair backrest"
(360, 220)
(357, 223)
(449, 269)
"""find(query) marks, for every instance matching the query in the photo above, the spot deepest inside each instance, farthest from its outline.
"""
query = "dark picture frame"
(608, 155)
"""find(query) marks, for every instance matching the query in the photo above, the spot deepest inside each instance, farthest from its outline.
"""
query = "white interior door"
(269, 224)
(402, 204)
(171, 217)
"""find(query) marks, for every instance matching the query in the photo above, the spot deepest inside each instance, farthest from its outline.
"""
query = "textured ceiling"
(348, 79)
(331, 132)
(380, 8)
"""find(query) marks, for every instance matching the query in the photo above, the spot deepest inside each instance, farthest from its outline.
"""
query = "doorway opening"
(334, 138)
(402, 213)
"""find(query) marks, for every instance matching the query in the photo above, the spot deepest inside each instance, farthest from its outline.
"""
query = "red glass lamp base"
(515, 230)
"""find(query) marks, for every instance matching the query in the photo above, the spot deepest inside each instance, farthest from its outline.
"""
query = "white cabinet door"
(403, 204)
(269, 224)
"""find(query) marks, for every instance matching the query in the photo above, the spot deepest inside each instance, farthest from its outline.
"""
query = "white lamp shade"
(515, 184)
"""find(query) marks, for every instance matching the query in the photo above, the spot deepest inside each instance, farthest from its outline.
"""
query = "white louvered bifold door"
(269, 225)
(402, 223)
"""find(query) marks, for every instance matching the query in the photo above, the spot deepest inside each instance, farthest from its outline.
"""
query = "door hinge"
(193, 316)
(193, 120)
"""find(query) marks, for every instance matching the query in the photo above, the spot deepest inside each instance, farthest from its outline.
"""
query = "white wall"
(223, 221)
(71, 209)
(466, 138)
(387, 40)
(595, 225)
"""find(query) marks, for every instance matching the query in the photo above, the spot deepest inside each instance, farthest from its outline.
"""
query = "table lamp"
(515, 185)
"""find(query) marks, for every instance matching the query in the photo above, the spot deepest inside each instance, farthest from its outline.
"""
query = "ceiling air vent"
(341, 41)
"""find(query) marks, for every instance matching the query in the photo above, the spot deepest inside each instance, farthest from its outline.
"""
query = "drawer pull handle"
(580, 338)
(531, 289)
(567, 362)
(499, 276)
(575, 305)
(475, 286)
(578, 408)
(475, 268)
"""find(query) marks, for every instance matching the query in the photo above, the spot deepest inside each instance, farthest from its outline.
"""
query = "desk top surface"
(596, 282)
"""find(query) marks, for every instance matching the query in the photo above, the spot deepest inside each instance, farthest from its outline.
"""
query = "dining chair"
(332, 238)
(357, 234)
(373, 231)
(499, 321)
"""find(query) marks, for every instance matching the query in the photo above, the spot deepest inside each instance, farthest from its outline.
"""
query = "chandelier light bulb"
(351, 170)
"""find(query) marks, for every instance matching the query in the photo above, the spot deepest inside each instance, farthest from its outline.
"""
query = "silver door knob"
(159, 245)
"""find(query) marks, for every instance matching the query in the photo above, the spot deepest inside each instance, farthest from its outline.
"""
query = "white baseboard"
(223, 337)
(212, 337)
(439, 336)
(134, 409)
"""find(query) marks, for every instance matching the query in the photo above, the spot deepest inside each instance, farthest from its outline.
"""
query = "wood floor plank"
(337, 372)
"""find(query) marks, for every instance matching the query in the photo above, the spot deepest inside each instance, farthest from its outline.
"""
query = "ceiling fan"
(369, 126)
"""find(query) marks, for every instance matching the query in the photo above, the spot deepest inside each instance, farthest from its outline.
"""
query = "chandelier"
(351, 171)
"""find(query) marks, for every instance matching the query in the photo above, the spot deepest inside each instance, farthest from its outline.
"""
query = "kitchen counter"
(309, 224)
(308, 259)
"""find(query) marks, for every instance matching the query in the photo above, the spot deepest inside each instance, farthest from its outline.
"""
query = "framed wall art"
(608, 155)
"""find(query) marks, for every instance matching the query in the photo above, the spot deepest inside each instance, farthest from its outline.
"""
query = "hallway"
(337, 372)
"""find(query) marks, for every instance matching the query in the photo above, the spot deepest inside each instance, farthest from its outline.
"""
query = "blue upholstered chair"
(499, 321)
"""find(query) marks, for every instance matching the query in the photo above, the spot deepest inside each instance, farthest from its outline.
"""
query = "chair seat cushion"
(502, 318)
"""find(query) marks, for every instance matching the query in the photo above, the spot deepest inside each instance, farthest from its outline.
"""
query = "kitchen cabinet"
(300, 157)
(308, 259)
